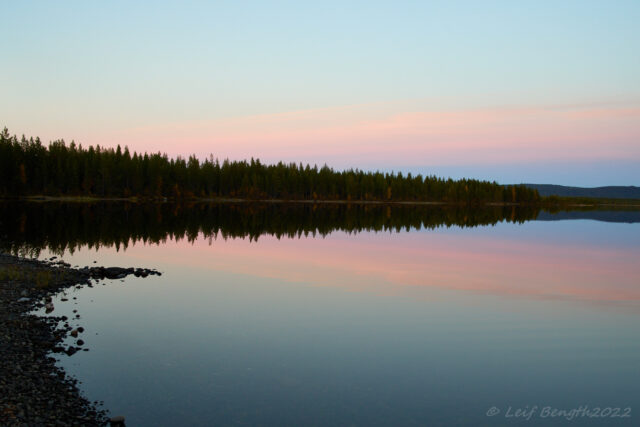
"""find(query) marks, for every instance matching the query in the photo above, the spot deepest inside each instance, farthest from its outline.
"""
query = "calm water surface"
(419, 327)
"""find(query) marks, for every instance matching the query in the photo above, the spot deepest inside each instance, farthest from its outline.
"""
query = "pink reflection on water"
(392, 263)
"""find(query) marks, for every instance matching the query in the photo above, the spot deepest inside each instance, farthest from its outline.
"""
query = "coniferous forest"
(30, 168)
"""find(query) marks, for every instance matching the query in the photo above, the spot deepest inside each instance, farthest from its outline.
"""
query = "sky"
(538, 91)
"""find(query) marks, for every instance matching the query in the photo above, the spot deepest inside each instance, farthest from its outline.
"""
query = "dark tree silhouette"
(28, 168)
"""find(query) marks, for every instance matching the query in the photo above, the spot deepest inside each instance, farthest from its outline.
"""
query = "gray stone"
(48, 307)
(117, 420)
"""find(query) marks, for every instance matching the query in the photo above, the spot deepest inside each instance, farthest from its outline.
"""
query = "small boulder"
(117, 421)
(115, 272)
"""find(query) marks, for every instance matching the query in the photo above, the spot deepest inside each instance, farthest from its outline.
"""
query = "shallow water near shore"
(444, 326)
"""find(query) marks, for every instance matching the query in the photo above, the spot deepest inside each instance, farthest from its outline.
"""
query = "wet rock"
(98, 273)
(117, 421)
(115, 272)
(141, 272)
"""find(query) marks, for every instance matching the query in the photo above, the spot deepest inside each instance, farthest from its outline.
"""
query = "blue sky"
(208, 77)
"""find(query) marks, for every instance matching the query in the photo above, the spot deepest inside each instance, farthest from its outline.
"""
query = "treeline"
(29, 168)
(28, 227)
(566, 203)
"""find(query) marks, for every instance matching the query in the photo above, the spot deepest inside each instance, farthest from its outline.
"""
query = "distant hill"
(610, 192)
(629, 217)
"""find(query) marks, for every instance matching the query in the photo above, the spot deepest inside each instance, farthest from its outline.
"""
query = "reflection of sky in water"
(393, 329)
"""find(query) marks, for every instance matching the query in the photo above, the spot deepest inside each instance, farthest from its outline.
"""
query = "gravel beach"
(33, 390)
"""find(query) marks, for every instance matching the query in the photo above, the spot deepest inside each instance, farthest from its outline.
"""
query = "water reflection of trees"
(26, 228)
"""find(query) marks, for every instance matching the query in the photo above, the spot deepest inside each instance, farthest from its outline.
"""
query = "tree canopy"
(28, 168)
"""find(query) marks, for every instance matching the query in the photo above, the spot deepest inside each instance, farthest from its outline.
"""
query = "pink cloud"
(376, 133)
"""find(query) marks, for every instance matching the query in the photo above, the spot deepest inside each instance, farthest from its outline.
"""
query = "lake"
(349, 315)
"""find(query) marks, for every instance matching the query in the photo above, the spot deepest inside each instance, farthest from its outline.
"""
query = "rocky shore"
(33, 390)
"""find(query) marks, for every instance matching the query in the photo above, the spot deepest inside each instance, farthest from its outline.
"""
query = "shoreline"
(33, 389)
(605, 203)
